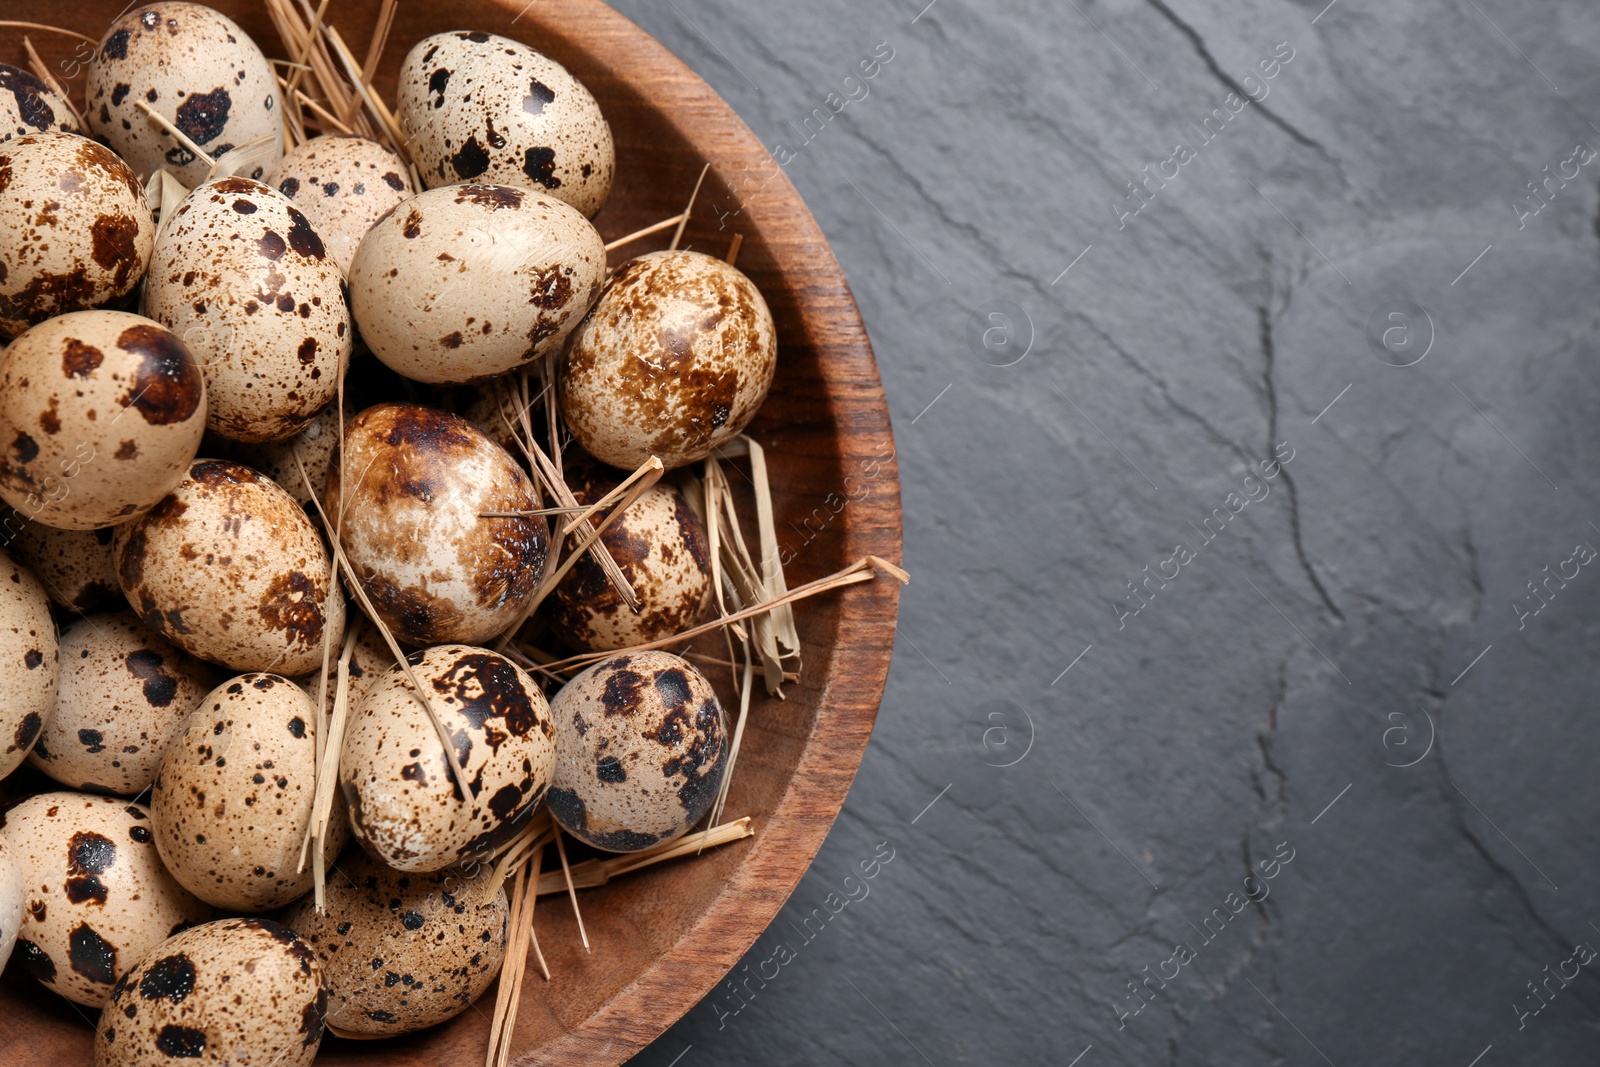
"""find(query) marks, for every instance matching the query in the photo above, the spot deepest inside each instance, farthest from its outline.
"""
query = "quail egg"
(242, 276)
(199, 70)
(100, 414)
(75, 228)
(405, 807)
(74, 566)
(98, 896)
(369, 659)
(639, 751)
(412, 529)
(29, 663)
(229, 568)
(12, 895)
(314, 446)
(479, 107)
(31, 106)
(344, 185)
(123, 696)
(469, 281)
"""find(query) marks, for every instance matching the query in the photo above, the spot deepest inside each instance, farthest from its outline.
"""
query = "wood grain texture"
(664, 937)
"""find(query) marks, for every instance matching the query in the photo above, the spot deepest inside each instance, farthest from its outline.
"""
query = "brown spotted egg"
(101, 413)
(123, 696)
(234, 991)
(75, 566)
(469, 281)
(98, 897)
(640, 740)
(369, 659)
(660, 545)
(28, 105)
(344, 185)
(233, 798)
(313, 446)
(75, 228)
(29, 663)
(405, 807)
(479, 107)
(241, 276)
(412, 528)
(673, 361)
(403, 951)
(199, 70)
(228, 568)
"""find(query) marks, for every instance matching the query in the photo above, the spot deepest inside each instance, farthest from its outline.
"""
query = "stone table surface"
(1242, 358)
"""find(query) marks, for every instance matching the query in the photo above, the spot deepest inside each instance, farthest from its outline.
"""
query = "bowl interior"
(661, 938)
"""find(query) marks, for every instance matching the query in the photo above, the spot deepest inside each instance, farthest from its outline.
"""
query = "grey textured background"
(1309, 654)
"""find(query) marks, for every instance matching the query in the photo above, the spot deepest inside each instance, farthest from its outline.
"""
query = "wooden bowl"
(663, 937)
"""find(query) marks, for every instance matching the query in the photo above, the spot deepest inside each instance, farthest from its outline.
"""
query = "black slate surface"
(1341, 681)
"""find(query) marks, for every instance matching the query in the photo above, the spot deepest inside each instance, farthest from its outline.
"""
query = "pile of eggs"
(180, 483)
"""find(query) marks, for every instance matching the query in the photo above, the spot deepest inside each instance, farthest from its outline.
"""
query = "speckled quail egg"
(123, 696)
(495, 411)
(478, 107)
(12, 895)
(28, 105)
(230, 819)
(404, 806)
(470, 281)
(199, 70)
(234, 991)
(98, 896)
(673, 361)
(344, 185)
(100, 414)
(75, 228)
(403, 951)
(75, 566)
(434, 569)
(639, 751)
(369, 659)
(229, 568)
(660, 544)
(240, 274)
(29, 662)
(314, 446)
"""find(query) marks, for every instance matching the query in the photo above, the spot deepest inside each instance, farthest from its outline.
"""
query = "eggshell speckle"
(28, 105)
(470, 281)
(434, 569)
(229, 568)
(29, 663)
(242, 276)
(673, 361)
(75, 566)
(199, 70)
(100, 414)
(344, 185)
(403, 951)
(639, 744)
(123, 696)
(98, 896)
(235, 991)
(75, 228)
(404, 806)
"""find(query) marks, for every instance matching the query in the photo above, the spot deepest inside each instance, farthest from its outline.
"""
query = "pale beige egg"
(228, 567)
(29, 663)
(12, 896)
(28, 105)
(313, 448)
(75, 566)
(370, 659)
(344, 185)
(101, 413)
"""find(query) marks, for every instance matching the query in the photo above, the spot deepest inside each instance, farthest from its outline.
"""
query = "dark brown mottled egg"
(75, 566)
(240, 274)
(480, 107)
(98, 897)
(29, 663)
(28, 105)
(404, 807)
(673, 361)
(660, 544)
(123, 696)
(344, 185)
(639, 751)
(419, 481)
(101, 413)
(230, 819)
(75, 228)
(199, 70)
(234, 991)
(466, 282)
(228, 567)
(403, 951)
